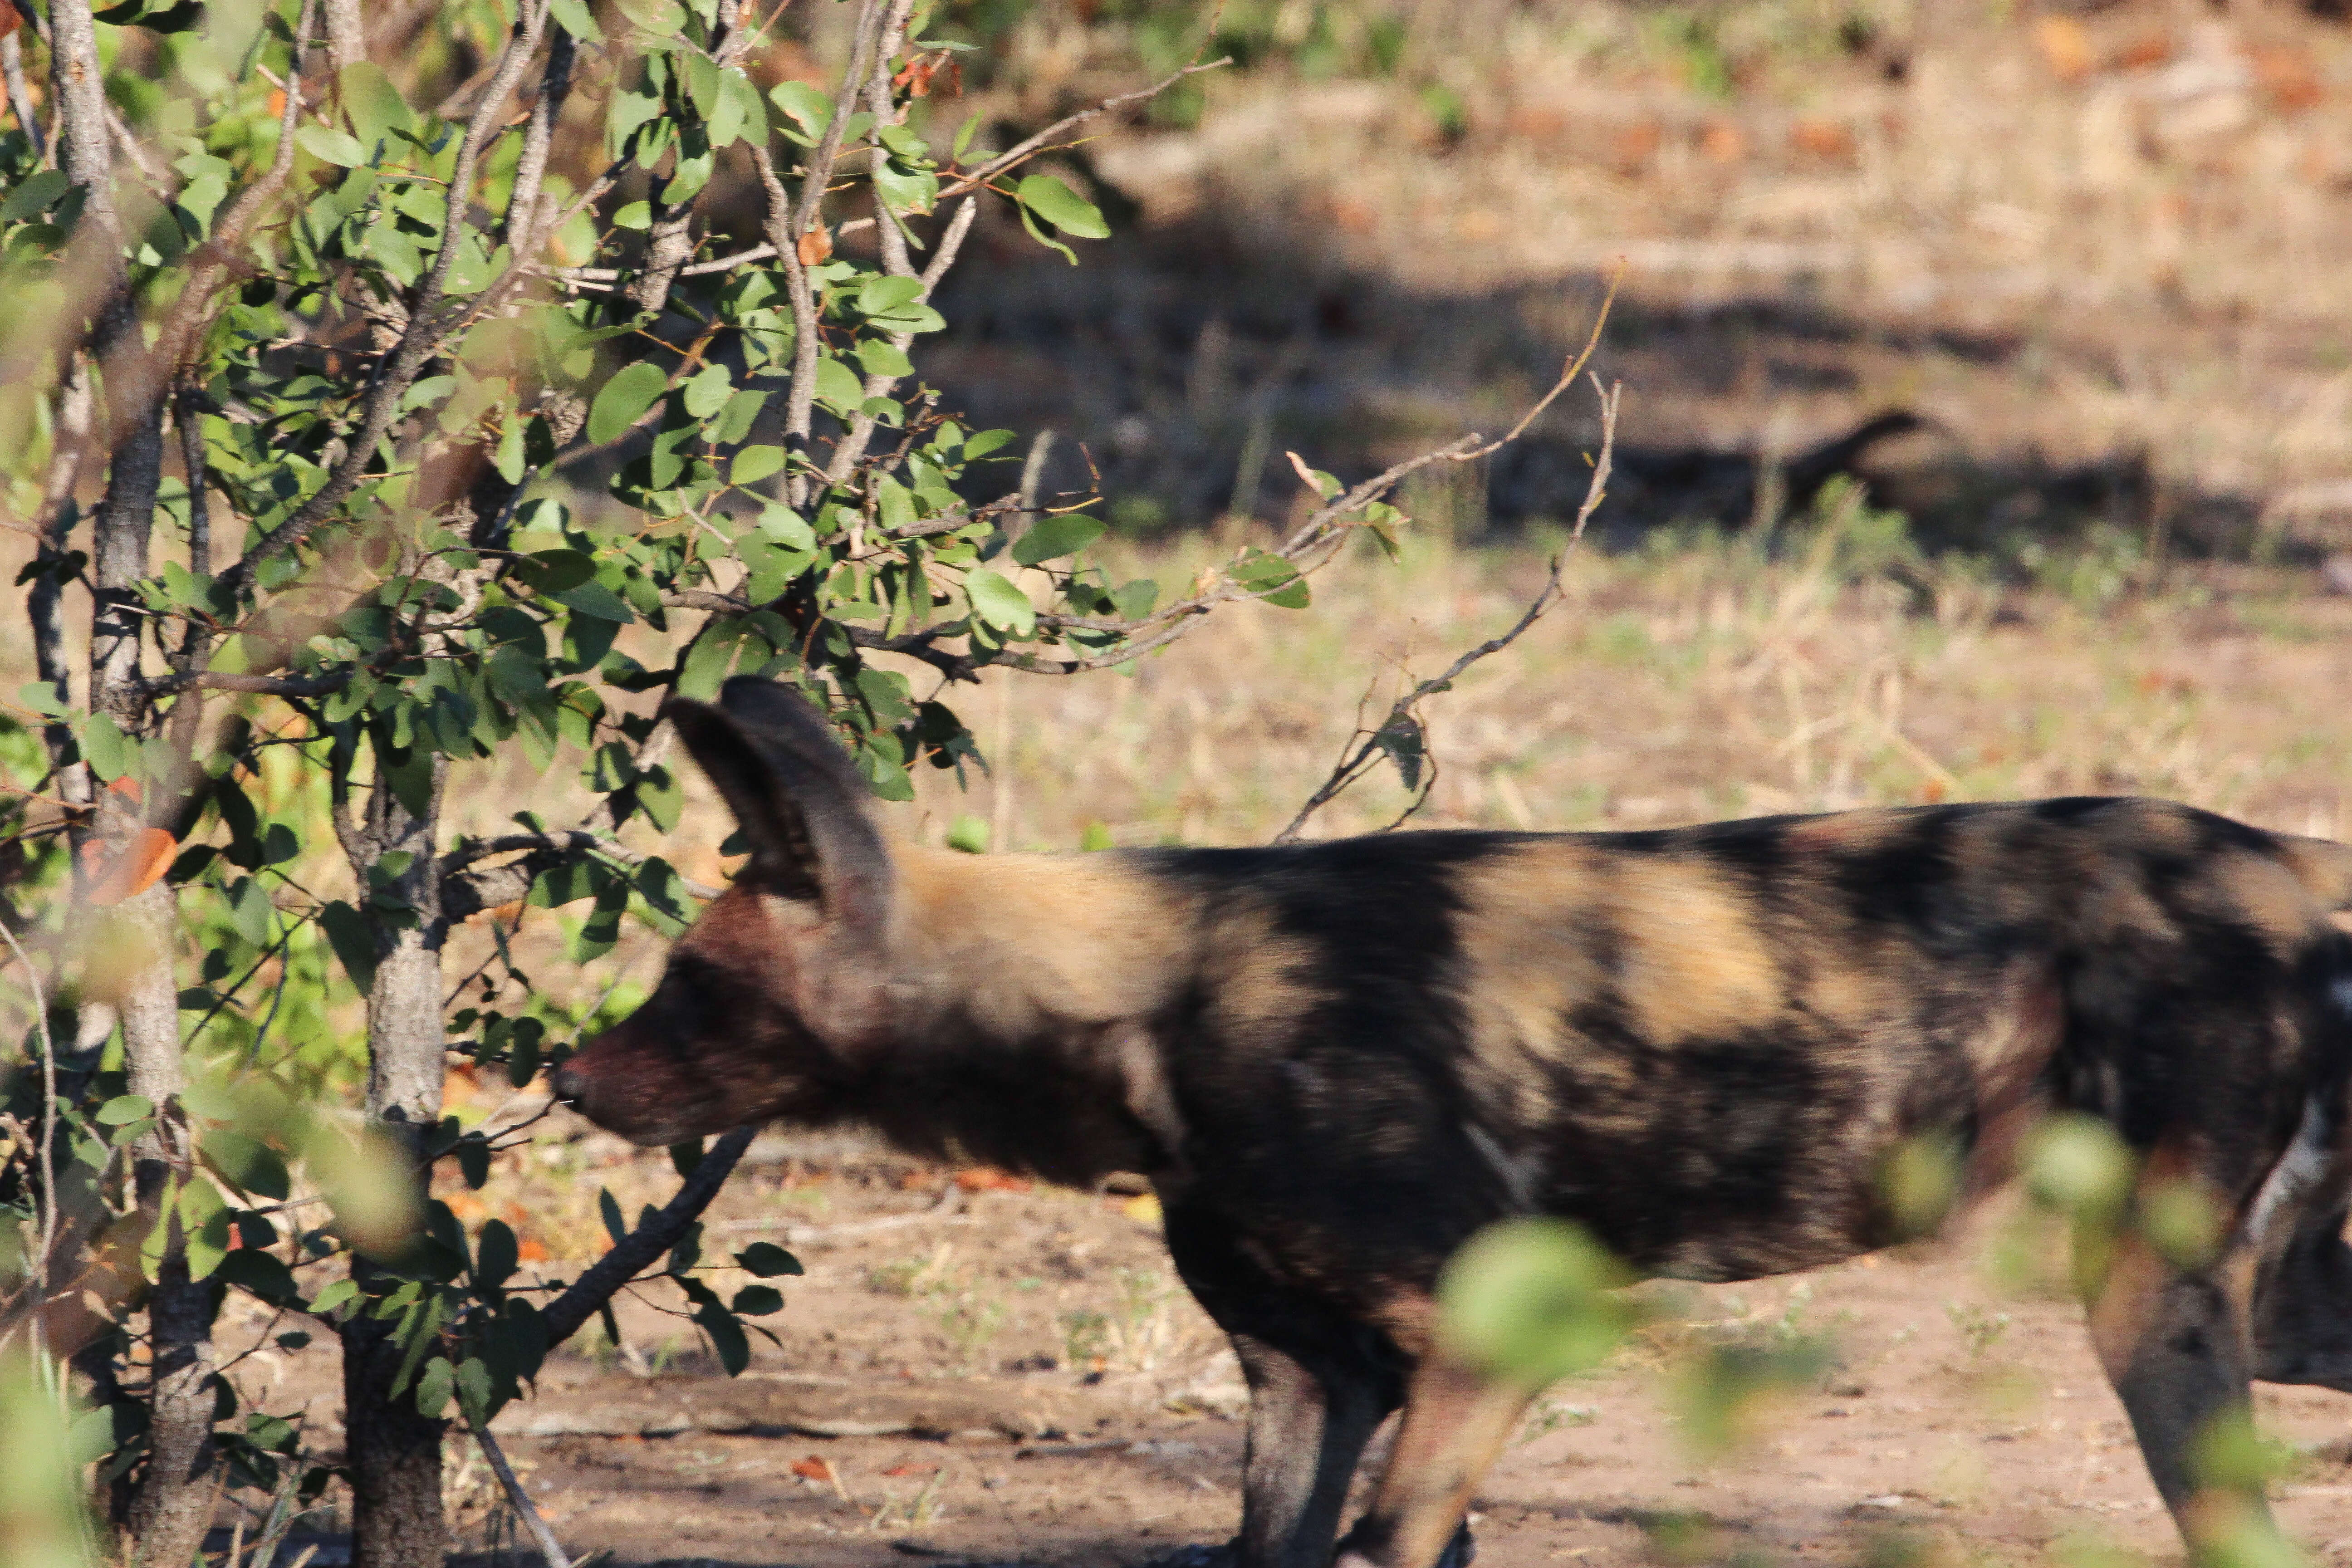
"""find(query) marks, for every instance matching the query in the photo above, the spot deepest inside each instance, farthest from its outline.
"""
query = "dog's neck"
(1036, 979)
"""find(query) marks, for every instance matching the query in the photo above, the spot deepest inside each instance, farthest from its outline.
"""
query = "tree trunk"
(394, 1453)
(171, 1507)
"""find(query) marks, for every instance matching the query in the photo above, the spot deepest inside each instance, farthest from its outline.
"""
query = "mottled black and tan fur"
(1336, 1061)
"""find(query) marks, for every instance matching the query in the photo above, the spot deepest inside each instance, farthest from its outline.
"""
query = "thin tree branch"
(634, 1252)
(1403, 722)
(550, 1549)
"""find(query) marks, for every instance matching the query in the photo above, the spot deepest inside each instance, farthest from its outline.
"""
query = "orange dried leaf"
(816, 245)
(134, 870)
(2066, 46)
(987, 1179)
(815, 1468)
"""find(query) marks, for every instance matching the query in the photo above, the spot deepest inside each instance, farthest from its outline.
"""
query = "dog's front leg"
(1455, 1421)
(2173, 1343)
(1309, 1420)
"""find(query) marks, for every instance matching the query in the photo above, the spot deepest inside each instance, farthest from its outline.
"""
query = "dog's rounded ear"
(796, 796)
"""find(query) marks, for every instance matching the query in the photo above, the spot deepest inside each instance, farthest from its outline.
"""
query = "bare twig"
(1404, 724)
(549, 1548)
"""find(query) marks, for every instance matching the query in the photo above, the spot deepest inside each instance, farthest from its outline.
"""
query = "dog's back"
(1712, 1045)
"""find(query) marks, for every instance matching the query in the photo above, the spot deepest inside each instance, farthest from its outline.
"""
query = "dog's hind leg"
(2302, 1287)
(2174, 1344)
(2302, 1307)
(1455, 1421)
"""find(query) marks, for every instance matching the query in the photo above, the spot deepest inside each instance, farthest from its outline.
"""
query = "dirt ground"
(975, 1371)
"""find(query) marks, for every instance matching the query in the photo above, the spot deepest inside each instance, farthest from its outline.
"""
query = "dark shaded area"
(1177, 365)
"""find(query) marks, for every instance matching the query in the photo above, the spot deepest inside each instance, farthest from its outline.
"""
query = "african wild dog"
(1337, 1060)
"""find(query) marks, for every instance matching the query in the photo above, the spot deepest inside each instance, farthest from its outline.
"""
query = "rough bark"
(45, 604)
(172, 1504)
(346, 35)
(395, 1453)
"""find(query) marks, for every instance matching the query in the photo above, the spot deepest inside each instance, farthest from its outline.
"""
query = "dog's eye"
(690, 992)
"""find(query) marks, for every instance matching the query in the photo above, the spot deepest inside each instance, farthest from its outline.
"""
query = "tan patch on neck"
(1019, 940)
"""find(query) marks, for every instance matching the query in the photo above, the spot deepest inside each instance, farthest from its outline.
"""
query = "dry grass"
(1707, 680)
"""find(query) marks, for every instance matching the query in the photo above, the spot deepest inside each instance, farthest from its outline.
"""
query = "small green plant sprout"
(1979, 1330)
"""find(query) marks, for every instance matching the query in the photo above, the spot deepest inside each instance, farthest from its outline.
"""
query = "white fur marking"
(2298, 1170)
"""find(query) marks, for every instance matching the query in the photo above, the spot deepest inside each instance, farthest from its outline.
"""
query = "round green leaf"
(126, 1108)
(624, 400)
(332, 146)
(880, 296)
(999, 603)
(767, 1260)
(1062, 206)
(753, 464)
(757, 1301)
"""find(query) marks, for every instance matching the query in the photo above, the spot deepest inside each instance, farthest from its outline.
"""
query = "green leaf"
(611, 1211)
(757, 1301)
(597, 600)
(574, 17)
(805, 106)
(473, 1388)
(753, 464)
(1055, 536)
(1533, 1299)
(42, 698)
(332, 146)
(624, 399)
(374, 105)
(1272, 579)
(496, 1255)
(634, 216)
(739, 116)
(248, 1163)
(110, 756)
(353, 943)
(999, 603)
(1062, 206)
(881, 296)
(125, 1107)
(553, 571)
(707, 392)
(881, 358)
(509, 461)
(969, 834)
(767, 1260)
(37, 193)
(837, 384)
(726, 1337)
(262, 1275)
(433, 1388)
(784, 526)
